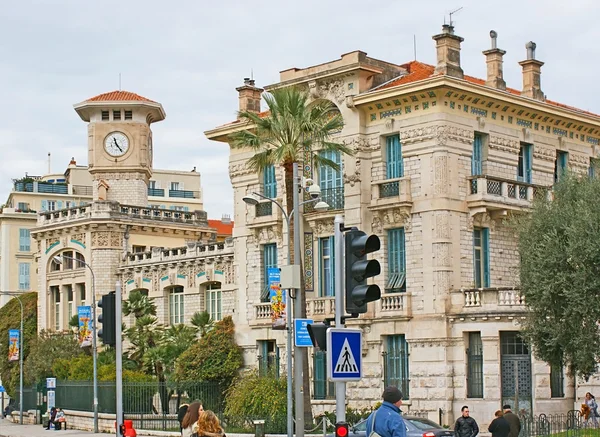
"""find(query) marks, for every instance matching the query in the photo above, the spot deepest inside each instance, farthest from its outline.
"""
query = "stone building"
(441, 160)
(121, 229)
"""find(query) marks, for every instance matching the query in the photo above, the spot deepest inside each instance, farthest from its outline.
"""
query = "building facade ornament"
(390, 218)
(237, 170)
(504, 144)
(353, 178)
(544, 154)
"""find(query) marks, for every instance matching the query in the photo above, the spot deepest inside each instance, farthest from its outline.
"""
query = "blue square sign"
(301, 335)
(344, 357)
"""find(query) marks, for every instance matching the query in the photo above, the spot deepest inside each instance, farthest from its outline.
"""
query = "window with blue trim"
(268, 358)
(269, 259)
(322, 389)
(269, 182)
(327, 270)
(481, 257)
(395, 364)
(24, 240)
(560, 164)
(330, 180)
(396, 280)
(477, 157)
(393, 155)
(524, 165)
(24, 282)
(593, 169)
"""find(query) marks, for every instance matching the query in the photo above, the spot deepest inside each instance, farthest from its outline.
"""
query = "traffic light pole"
(119, 357)
(338, 239)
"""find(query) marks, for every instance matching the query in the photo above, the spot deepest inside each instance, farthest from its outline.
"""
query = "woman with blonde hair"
(190, 420)
(209, 425)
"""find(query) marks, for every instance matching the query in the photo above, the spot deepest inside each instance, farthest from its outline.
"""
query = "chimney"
(448, 52)
(493, 59)
(532, 72)
(249, 96)
(73, 163)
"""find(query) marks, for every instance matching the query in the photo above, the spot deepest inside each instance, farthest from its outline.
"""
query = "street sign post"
(301, 335)
(344, 357)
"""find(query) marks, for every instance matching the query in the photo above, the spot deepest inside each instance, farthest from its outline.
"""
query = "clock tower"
(120, 145)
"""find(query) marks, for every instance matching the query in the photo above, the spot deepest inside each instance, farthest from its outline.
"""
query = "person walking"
(190, 420)
(513, 420)
(465, 425)
(499, 426)
(590, 401)
(208, 425)
(387, 420)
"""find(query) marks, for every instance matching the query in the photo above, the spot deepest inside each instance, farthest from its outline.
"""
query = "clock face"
(116, 144)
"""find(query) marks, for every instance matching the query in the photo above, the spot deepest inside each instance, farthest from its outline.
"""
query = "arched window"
(176, 305)
(213, 300)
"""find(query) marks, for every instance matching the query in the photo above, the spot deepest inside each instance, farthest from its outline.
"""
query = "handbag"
(373, 433)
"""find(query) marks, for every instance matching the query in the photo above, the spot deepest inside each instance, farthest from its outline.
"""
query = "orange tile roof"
(119, 96)
(419, 71)
(222, 228)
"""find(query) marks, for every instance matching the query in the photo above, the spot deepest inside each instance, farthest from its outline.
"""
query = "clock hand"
(116, 144)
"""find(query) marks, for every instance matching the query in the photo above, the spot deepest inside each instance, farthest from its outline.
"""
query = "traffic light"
(108, 319)
(341, 429)
(318, 335)
(358, 269)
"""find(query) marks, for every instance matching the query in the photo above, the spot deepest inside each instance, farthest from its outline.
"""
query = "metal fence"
(571, 424)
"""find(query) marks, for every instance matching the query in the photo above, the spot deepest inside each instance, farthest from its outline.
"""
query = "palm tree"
(139, 305)
(292, 126)
(202, 322)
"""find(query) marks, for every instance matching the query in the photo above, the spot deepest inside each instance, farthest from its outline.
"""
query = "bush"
(352, 416)
(252, 396)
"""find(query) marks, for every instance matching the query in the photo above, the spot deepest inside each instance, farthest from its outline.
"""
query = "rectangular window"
(269, 261)
(152, 185)
(70, 304)
(174, 186)
(24, 240)
(477, 157)
(51, 205)
(23, 206)
(117, 115)
(67, 259)
(593, 169)
(524, 164)
(557, 381)
(395, 364)
(268, 358)
(396, 281)
(321, 387)
(481, 257)
(128, 115)
(139, 249)
(56, 297)
(81, 293)
(560, 164)
(330, 180)
(213, 301)
(475, 366)
(269, 182)
(24, 276)
(105, 115)
(176, 306)
(393, 157)
(327, 271)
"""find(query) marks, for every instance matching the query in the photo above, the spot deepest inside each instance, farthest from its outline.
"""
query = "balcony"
(82, 190)
(334, 197)
(487, 193)
(159, 192)
(391, 193)
(178, 254)
(396, 305)
(488, 300)
(41, 187)
(265, 214)
(320, 308)
(175, 194)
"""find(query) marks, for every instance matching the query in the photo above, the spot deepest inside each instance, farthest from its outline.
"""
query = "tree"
(45, 350)
(202, 322)
(292, 126)
(10, 318)
(559, 246)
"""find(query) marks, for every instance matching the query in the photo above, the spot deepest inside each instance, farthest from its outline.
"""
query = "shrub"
(252, 396)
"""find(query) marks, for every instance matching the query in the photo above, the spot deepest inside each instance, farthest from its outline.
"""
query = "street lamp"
(16, 295)
(253, 199)
(59, 260)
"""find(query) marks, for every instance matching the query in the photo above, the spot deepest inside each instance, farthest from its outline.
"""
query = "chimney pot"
(532, 72)
(530, 46)
(493, 59)
(448, 52)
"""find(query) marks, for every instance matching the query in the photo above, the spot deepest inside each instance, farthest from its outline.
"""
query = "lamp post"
(59, 259)
(16, 295)
(320, 206)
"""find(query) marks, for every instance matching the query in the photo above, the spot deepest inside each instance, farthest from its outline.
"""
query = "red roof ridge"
(222, 228)
(119, 96)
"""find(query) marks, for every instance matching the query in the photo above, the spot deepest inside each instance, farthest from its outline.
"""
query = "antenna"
(454, 12)
(119, 81)
(252, 74)
(415, 45)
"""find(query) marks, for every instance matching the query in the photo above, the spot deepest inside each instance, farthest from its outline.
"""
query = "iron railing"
(185, 194)
(82, 190)
(42, 187)
(571, 424)
(334, 197)
(264, 209)
(389, 189)
(159, 192)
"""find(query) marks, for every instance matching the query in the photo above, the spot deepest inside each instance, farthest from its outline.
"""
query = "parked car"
(415, 427)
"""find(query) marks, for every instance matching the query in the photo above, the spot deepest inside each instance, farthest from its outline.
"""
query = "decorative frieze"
(362, 143)
(353, 178)
(107, 239)
(440, 175)
(504, 144)
(334, 89)
(544, 154)
(579, 161)
(237, 170)
(391, 218)
(439, 134)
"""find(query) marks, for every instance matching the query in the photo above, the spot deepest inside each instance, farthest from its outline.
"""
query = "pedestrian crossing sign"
(344, 357)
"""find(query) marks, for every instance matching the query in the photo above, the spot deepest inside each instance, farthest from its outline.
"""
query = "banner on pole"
(277, 297)
(84, 313)
(13, 345)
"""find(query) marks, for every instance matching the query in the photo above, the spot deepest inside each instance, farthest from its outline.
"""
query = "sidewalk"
(8, 429)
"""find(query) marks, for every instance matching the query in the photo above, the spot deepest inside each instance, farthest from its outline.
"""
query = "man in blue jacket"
(386, 421)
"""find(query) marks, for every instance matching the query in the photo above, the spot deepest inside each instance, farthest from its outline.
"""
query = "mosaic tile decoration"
(309, 279)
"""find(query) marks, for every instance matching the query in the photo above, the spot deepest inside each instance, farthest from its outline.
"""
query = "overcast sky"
(190, 56)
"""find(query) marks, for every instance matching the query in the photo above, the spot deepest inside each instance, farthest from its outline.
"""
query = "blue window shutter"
(44, 205)
(485, 246)
(395, 165)
(528, 163)
(328, 177)
(269, 182)
(396, 277)
(59, 204)
(26, 274)
(186, 208)
(476, 158)
(24, 240)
